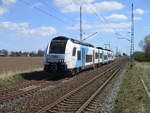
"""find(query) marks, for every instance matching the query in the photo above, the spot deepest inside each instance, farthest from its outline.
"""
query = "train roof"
(107, 50)
(99, 48)
(73, 40)
(103, 49)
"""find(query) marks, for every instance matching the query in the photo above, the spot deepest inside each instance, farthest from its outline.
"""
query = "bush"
(139, 56)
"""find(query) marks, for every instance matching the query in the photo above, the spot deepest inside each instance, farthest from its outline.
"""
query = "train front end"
(54, 58)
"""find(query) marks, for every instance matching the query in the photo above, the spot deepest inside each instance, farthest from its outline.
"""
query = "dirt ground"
(13, 65)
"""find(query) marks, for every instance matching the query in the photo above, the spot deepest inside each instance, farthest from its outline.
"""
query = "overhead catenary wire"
(97, 15)
(44, 12)
(100, 17)
(54, 9)
(72, 2)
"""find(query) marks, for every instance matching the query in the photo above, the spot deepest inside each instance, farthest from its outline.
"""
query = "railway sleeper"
(96, 104)
(75, 102)
(92, 106)
(78, 96)
(88, 110)
(68, 110)
(53, 111)
(72, 102)
(75, 99)
(69, 106)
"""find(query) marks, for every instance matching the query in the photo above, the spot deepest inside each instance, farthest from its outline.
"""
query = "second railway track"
(26, 89)
(78, 100)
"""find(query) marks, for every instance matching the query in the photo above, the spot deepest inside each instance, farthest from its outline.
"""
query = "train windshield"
(58, 46)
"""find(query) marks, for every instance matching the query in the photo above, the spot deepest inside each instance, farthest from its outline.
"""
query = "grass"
(11, 80)
(22, 77)
(144, 70)
(15, 70)
(131, 97)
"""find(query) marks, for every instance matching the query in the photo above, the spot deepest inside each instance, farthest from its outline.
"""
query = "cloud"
(137, 18)
(13, 26)
(23, 28)
(90, 7)
(117, 17)
(3, 4)
(109, 5)
(41, 31)
(2, 10)
(9, 1)
(139, 11)
(77, 27)
(64, 2)
(113, 27)
(105, 27)
(71, 8)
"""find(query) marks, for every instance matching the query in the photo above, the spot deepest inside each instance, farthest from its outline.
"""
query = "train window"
(101, 55)
(58, 46)
(88, 58)
(74, 51)
(96, 55)
(79, 55)
(105, 57)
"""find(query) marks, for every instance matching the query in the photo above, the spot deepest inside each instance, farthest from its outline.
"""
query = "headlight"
(48, 60)
(62, 60)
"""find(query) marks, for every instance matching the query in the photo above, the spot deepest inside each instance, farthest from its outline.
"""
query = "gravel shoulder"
(131, 97)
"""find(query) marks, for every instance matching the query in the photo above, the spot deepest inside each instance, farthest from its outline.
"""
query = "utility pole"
(116, 51)
(132, 38)
(105, 46)
(109, 44)
(80, 23)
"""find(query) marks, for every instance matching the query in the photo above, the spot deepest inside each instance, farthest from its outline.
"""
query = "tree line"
(143, 55)
(5, 52)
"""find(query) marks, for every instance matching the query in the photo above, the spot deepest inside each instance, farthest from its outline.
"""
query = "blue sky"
(28, 25)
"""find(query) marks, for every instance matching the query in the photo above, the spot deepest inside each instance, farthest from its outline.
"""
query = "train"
(70, 55)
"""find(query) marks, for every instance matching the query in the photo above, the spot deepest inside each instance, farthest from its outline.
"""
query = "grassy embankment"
(11, 80)
(14, 69)
(131, 96)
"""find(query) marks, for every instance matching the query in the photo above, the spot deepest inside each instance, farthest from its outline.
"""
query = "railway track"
(26, 93)
(89, 105)
(26, 88)
(79, 99)
(14, 93)
(20, 86)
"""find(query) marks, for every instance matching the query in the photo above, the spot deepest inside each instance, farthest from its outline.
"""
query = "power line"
(93, 11)
(99, 16)
(43, 11)
(90, 35)
(103, 20)
(52, 8)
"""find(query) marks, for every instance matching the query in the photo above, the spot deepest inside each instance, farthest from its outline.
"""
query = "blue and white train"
(66, 54)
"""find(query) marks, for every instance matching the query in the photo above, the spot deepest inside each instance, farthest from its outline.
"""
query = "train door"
(98, 56)
(103, 54)
(83, 58)
(93, 57)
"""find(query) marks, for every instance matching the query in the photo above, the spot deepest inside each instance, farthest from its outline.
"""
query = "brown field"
(13, 65)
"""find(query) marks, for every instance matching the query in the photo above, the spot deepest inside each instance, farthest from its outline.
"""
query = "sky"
(29, 25)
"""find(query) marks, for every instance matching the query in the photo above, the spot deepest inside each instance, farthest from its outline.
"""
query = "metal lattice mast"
(80, 23)
(132, 37)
